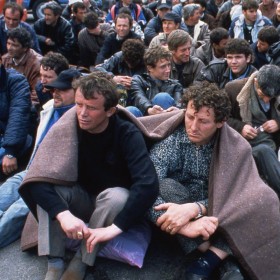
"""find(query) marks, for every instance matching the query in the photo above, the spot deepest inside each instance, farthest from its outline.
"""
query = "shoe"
(230, 270)
(192, 276)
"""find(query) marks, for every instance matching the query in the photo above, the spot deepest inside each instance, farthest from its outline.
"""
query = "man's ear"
(249, 58)
(220, 124)
(111, 112)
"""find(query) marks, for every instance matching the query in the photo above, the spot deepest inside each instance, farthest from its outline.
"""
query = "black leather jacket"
(144, 88)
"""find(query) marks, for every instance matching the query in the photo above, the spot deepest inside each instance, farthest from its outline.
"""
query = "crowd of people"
(112, 113)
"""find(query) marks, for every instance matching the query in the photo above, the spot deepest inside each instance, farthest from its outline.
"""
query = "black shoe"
(192, 276)
(230, 270)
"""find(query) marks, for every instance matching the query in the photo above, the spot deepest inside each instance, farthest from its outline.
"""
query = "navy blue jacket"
(15, 107)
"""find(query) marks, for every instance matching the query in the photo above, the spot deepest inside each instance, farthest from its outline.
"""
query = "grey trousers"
(99, 211)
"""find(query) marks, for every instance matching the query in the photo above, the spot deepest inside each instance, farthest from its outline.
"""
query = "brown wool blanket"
(247, 209)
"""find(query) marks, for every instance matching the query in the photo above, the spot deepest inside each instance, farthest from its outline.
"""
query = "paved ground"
(161, 263)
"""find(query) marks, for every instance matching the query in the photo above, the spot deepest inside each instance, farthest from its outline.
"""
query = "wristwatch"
(9, 156)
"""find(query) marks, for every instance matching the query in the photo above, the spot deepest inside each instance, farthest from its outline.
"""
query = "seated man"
(237, 65)
(54, 32)
(13, 14)
(198, 29)
(170, 21)
(15, 108)
(110, 187)
(51, 65)
(153, 92)
(13, 210)
(113, 42)
(126, 63)
(248, 25)
(154, 26)
(22, 58)
(266, 38)
(184, 67)
(90, 40)
(210, 188)
(255, 115)
(215, 51)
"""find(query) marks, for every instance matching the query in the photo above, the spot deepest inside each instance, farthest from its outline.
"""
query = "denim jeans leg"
(9, 190)
(12, 222)
(164, 100)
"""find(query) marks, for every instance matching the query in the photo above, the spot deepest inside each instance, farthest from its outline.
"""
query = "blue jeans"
(163, 99)
(13, 210)
(26, 146)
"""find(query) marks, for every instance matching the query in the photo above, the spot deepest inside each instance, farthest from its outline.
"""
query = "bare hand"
(101, 235)
(9, 165)
(156, 109)
(123, 80)
(72, 226)
(176, 216)
(270, 126)
(248, 132)
(203, 227)
(49, 42)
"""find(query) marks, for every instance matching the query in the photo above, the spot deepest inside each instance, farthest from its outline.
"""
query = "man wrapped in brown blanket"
(246, 208)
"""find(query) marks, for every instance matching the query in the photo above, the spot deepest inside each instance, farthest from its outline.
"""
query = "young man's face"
(168, 26)
(50, 17)
(91, 114)
(161, 71)
(182, 54)
(262, 46)
(250, 15)
(122, 27)
(15, 48)
(80, 15)
(11, 19)
(221, 46)
(200, 126)
(238, 63)
(63, 97)
(47, 75)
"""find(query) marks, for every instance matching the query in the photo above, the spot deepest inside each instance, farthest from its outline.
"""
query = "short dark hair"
(133, 51)
(269, 34)
(209, 95)
(54, 7)
(94, 84)
(77, 6)
(22, 35)
(268, 79)
(125, 10)
(91, 20)
(238, 46)
(249, 4)
(217, 35)
(54, 61)
(178, 38)
(124, 15)
(14, 7)
(153, 55)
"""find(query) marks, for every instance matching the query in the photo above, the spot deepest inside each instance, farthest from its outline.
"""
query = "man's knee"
(263, 153)
(114, 198)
